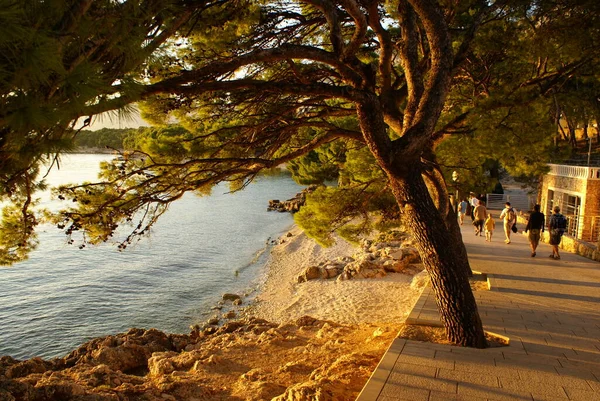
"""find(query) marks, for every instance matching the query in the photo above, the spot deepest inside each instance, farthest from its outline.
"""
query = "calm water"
(201, 248)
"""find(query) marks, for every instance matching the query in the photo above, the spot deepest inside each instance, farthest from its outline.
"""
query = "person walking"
(474, 202)
(509, 217)
(480, 213)
(462, 210)
(535, 226)
(489, 226)
(557, 227)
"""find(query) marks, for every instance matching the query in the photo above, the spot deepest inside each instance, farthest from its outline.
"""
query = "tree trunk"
(436, 184)
(458, 244)
(449, 279)
(441, 258)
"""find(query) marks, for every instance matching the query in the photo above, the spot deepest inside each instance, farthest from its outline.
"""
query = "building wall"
(572, 186)
(592, 204)
(588, 190)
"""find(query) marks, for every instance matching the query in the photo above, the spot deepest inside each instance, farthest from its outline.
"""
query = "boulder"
(124, 352)
(291, 205)
(25, 368)
(231, 297)
(160, 363)
(311, 273)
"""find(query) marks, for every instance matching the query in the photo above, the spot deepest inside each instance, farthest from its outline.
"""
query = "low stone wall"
(568, 243)
(579, 247)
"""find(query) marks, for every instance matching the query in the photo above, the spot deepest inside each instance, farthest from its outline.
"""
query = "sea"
(201, 248)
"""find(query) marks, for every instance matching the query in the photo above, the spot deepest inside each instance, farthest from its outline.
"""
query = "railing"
(585, 173)
(519, 202)
(586, 228)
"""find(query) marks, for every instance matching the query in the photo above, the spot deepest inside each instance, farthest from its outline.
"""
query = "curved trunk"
(437, 189)
(458, 244)
(441, 259)
(443, 262)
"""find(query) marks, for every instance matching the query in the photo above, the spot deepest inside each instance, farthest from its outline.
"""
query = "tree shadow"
(583, 298)
(546, 280)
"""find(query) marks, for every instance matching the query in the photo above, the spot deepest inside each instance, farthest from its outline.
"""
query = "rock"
(420, 280)
(229, 315)
(412, 255)
(213, 321)
(237, 302)
(396, 266)
(231, 297)
(305, 321)
(160, 363)
(396, 254)
(25, 368)
(230, 327)
(378, 332)
(311, 273)
(291, 205)
(124, 352)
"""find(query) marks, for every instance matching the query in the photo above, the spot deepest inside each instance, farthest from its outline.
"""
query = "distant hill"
(103, 138)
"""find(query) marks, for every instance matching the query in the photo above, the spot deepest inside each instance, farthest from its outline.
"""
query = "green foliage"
(171, 142)
(254, 85)
(106, 137)
(510, 89)
(17, 235)
(319, 165)
(327, 208)
(351, 212)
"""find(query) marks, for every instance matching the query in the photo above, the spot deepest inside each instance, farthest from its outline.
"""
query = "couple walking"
(557, 227)
(536, 225)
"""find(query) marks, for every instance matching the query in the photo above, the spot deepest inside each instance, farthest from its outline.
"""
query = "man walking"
(480, 214)
(509, 217)
(535, 225)
(557, 227)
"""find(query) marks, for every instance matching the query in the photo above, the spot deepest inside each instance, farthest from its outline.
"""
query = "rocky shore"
(250, 359)
(275, 352)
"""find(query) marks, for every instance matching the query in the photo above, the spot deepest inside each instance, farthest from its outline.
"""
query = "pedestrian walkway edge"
(382, 372)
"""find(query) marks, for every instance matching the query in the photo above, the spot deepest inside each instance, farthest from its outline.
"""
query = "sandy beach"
(386, 300)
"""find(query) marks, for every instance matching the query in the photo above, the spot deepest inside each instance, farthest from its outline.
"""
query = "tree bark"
(441, 259)
(437, 190)
(449, 279)
(458, 244)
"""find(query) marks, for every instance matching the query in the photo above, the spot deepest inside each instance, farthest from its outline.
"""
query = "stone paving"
(550, 311)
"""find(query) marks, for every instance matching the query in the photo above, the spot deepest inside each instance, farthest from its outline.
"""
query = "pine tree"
(261, 84)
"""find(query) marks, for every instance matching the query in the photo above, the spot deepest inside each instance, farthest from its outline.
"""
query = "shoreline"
(293, 341)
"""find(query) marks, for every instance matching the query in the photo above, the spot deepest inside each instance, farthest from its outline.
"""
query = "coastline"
(281, 298)
(319, 339)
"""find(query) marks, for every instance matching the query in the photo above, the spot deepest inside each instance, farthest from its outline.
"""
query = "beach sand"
(386, 300)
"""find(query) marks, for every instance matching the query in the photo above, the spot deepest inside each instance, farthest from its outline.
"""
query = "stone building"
(576, 190)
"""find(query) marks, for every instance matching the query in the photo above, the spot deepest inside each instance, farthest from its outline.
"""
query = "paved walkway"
(550, 310)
